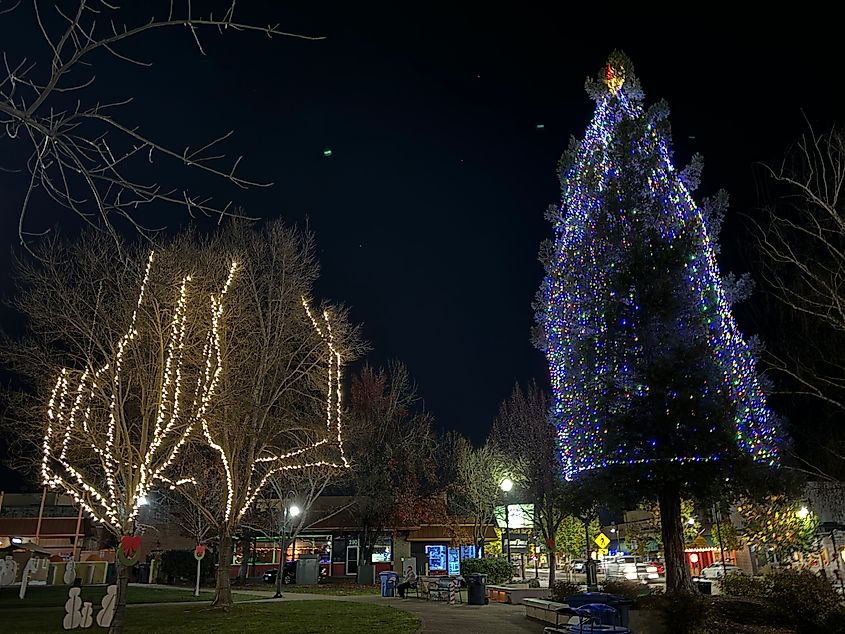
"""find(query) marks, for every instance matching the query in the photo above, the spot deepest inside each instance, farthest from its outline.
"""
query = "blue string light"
(592, 233)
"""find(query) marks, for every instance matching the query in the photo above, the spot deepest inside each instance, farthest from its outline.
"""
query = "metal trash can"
(476, 589)
(705, 586)
(389, 581)
(617, 616)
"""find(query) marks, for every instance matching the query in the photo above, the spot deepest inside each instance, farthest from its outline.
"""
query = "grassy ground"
(335, 588)
(55, 596)
(303, 617)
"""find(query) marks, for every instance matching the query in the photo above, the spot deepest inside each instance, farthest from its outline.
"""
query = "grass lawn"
(335, 589)
(55, 596)
(303, 617)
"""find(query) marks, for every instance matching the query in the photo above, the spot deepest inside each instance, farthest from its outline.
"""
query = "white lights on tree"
(108, 441)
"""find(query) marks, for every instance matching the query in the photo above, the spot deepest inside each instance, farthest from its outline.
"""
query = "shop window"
(382, 550)
(437, 558)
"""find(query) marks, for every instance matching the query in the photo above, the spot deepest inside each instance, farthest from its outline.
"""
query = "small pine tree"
(654, 387)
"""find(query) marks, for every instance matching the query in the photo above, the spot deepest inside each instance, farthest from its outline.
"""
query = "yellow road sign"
(604, 551)
(602, 540)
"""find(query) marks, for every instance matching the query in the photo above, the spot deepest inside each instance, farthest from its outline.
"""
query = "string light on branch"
(131, 458)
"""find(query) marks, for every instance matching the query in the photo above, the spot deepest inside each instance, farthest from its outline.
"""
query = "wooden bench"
(546, 611)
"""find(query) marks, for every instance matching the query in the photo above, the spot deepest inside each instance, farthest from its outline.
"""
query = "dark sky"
(429, 214)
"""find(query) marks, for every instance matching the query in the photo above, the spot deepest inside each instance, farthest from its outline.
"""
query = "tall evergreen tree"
(653, 385)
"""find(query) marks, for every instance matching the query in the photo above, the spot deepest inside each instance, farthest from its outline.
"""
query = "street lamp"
(507, 485)
(803, 512)
(288, 512)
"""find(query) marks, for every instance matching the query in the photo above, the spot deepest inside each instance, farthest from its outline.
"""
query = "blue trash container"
(389, 580)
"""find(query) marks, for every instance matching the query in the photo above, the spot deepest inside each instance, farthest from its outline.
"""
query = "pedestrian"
(409, 581)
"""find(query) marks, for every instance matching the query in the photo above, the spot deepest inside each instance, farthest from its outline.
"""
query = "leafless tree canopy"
(801, 240)
(206, 366)
(82, 152)
(475, 479)
(800, 237)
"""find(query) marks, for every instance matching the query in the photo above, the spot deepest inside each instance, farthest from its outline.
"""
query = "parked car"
(577, 565)
(290, 574)
(717, 570)
(659, 565)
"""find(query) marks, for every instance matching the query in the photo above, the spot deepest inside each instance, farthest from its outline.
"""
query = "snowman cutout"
(70, 572)
(105, 616)
(86, 615)
(8, 571)
(73, 616)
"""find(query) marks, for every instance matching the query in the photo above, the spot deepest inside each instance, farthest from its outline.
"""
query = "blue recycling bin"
(389, 580)
(618, 615)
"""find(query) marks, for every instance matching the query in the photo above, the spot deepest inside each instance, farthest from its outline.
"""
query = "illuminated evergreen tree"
(653, 385)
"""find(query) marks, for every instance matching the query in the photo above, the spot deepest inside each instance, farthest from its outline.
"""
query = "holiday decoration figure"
(105, 616)
(73, 616)
(654, 387)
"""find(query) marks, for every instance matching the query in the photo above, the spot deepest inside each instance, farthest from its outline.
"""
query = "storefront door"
(351, 560)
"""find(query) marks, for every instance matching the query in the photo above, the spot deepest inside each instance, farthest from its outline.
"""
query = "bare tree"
(274, 514)
(81, 152)
(525, 434)
(203, 353)
(801, 240)
(279, 404)
(125, 361)
(392, 451)
(475, 484)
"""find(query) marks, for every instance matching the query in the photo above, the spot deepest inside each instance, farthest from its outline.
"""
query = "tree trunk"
(223, 586)
(119, 618)
(246, 544)
(678, 578)
(280, 573)
(552, 563)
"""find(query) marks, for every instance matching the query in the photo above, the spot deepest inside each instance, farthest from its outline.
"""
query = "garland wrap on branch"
(621, 193)
(88, 434)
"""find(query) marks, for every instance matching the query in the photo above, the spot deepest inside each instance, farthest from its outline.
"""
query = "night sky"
(429, 213)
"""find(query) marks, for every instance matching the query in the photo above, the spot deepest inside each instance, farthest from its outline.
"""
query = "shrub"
(497, 570)
(739, 585)
(562, 589)
(802, 598)
(628, 589)
(180, 565)
(683, 612)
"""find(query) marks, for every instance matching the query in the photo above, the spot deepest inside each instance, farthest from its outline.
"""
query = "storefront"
(439, 550)
(265, 553)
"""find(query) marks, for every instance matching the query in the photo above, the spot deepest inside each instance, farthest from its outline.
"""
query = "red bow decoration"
(129, 544)
(199, 550)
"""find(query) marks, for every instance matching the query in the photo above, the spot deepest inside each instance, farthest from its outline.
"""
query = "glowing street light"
(803, 512)
(507, 485)
(294, 510)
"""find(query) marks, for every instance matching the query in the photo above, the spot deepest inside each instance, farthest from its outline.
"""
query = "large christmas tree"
(654, 386)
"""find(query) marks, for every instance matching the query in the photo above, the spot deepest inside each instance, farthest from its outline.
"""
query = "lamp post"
(506, 486)
(288, 512)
